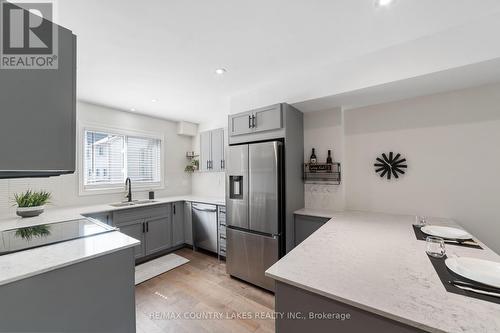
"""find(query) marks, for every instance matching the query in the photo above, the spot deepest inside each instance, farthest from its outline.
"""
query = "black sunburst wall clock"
(390, 166)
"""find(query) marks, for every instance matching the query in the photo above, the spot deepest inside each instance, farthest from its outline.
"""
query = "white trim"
(108, 189)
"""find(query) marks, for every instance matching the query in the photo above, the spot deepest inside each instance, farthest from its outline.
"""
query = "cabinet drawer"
(222, 232)
(134, 214)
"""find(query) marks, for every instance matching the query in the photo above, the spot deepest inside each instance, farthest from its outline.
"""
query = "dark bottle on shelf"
(329, 159)
(313, 158)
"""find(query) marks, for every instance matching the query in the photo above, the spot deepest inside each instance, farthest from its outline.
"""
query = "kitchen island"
(79, 285)
(372, 268)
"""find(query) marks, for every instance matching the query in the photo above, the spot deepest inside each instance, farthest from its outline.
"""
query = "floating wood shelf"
(322, 173)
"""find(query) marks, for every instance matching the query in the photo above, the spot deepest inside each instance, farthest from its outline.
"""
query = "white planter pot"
(30, 211)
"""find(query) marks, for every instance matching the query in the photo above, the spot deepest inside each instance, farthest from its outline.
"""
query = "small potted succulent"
(31, 204)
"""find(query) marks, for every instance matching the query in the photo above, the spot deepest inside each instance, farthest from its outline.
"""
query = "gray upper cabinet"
(212, 150)
(260, 120)
(268, 119)
(38, 126)
(205, 150)
(217, 150)
(178, 223)
(240, 123)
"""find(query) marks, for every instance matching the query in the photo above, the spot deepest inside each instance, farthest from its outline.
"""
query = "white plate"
(482, 271)
(446, 232)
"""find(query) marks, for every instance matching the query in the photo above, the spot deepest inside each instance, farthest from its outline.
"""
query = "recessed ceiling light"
(383, 3)
(132, 109)
(154, 100)
(220, 71)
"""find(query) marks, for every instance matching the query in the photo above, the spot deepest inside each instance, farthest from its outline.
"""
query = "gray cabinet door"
(101, 217)
(217, 146)
(305, 226)
(177, 223)
(158, 235)
(38, 108)
(240, 123)
(188, 224)
(205, 150)
(267, 119)
(135, 230)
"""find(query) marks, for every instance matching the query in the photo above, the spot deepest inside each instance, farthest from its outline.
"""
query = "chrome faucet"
(129, 183)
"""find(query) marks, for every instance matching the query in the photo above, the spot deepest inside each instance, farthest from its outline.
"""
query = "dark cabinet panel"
(305, 226)
(135, 230)
(158, 235)
(38, 126)
(178, 223)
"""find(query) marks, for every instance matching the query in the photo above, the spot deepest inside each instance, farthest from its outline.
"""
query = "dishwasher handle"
(205, 209)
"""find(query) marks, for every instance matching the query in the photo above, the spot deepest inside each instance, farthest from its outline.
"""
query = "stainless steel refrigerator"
(254, 210)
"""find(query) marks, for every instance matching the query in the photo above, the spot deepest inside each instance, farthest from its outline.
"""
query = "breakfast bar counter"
(372, 265)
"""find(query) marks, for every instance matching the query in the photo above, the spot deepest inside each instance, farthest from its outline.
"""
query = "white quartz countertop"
(374, 262)
(23, 264)
(325, 213)
(58, 214)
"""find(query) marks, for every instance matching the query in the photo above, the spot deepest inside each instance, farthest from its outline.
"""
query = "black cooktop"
(19, 239)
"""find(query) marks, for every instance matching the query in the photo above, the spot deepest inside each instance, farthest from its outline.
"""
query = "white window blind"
(143, 159)
(110, 158)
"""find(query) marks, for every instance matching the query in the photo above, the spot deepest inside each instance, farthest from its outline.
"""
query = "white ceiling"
(130, 52)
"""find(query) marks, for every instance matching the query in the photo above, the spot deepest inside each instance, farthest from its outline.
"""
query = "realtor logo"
(28, 35)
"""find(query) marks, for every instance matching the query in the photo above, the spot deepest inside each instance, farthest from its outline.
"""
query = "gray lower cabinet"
(298, 305)
(306, 225)
(150, 225)
(101, 217)
(178, 223)
(221, 221)
(95, 295)
(135, 230)
(158, 235)
(188, 223)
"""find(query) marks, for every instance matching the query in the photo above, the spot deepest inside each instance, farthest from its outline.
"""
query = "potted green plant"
(30, 203)
(192, 166)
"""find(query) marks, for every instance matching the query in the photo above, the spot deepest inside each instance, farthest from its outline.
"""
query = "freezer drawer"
(250, 255)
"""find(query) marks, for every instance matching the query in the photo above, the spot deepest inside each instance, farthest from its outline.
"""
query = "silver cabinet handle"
(249, 121)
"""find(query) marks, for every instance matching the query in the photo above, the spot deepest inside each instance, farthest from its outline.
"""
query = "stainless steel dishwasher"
(205, 227)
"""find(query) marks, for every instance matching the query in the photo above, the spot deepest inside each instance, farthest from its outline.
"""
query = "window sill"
(116, 190)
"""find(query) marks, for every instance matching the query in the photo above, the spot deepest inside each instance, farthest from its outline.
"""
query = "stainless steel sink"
(132, 203)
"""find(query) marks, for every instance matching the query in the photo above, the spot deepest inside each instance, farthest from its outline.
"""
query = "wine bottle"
(329, 159)
(313, 158)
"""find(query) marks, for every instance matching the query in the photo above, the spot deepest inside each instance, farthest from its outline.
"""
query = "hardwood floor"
(202, 288)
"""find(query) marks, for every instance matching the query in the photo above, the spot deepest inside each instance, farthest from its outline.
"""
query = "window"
(109, 158)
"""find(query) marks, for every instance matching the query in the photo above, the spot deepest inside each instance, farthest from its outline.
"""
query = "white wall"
(209, 184)
(324, 131)
(452, 145)
(65, 188)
